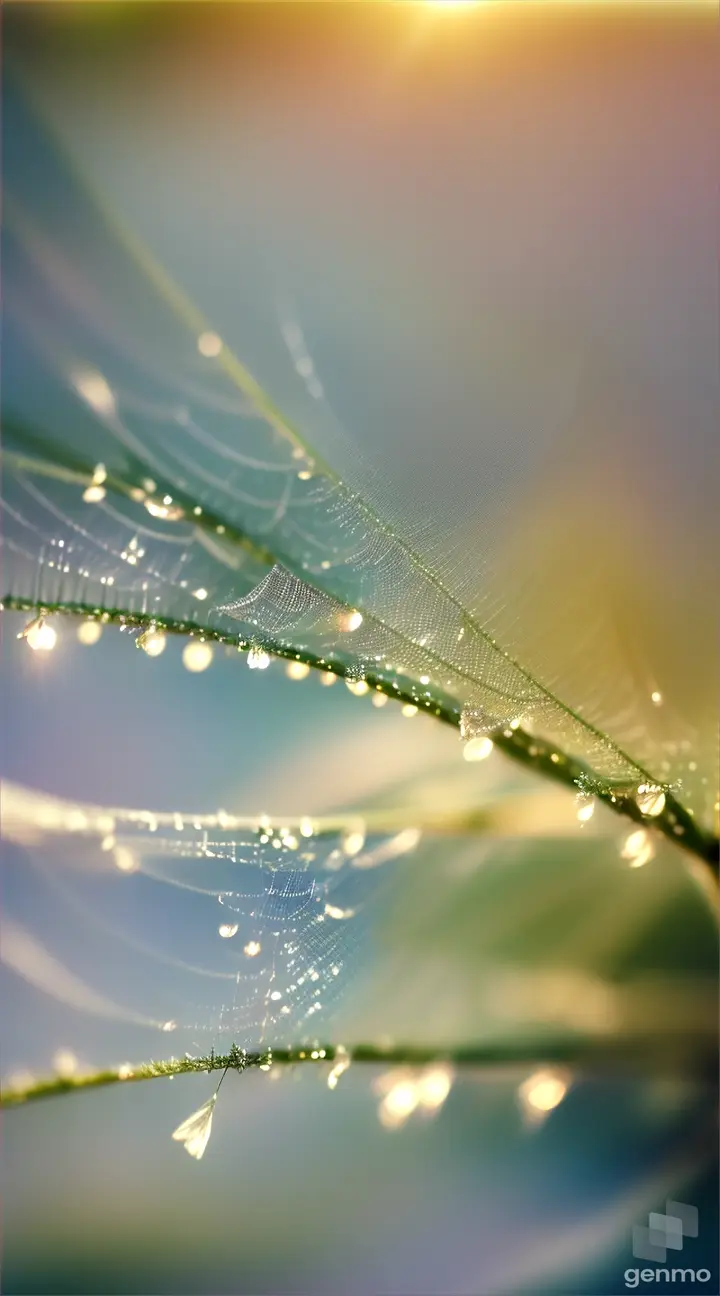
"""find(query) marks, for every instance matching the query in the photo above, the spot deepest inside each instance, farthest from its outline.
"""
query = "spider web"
(282, 920)
(173, 485)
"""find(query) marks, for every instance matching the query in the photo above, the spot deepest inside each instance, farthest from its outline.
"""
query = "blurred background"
(497, 226)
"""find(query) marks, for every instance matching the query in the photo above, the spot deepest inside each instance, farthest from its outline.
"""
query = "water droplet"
(306, 828)
(650, 800)
(328, 678)
(65, 1063)
(209, 345)
(152, 642)
(226, 930)
(353, 842)
(357, 687)
(124, 859)
(94, 494)
(169, 1026)
(296, 670)
(638, 848)
(349, 621)
(94, 390)
(200, 593)
(99, 474)
(168, 512)
(340, 1065)
(409, 711)
(258, 659)
(477, 749)
(541, 1092)
(656, 698)
(39, 636)
(194, 1133)
(252, 949)
(585, 806)
(88, 632)
(379, 700)
(197, 655)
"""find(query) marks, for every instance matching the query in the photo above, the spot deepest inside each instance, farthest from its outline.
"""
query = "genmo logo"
(633, 1277)
(663, 1233)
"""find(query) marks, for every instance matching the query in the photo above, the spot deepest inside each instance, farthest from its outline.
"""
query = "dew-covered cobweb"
(154, 476)
(258, 932)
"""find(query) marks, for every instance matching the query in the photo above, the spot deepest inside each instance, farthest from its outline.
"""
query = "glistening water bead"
(197, 655)
(88, 632)
(650, 800)
(39, 636)
(227, 930)
(152, 642)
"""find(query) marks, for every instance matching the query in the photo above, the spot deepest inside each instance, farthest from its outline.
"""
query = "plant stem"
(674, 821)
(653, 1055)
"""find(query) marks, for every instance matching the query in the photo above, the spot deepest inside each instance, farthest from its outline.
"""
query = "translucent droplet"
(194, 1133)
(650, 800)
(99, 474)
(65, 1063)
(638, 848)
(94, 494)
(349, 621)
(477, 749)
(398, 1103)
(169, 1025)
(209, 345)
(541, 1092)
(169, 512)
(197, 655)
(339, 1067)
(585, 807)
(200, 593)
(226, 930)
(296, 670)
(656, 698)
(358, 687)
(306, 828)
(94, 390)
(434, 1085)
(409, 711)
(88, 632)
(39, 635)
(152, 642)
(379, 700)
(252, 949)
(327, 678)
(333, 911)
(353, 842)
(124, 859)
(258, 659)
